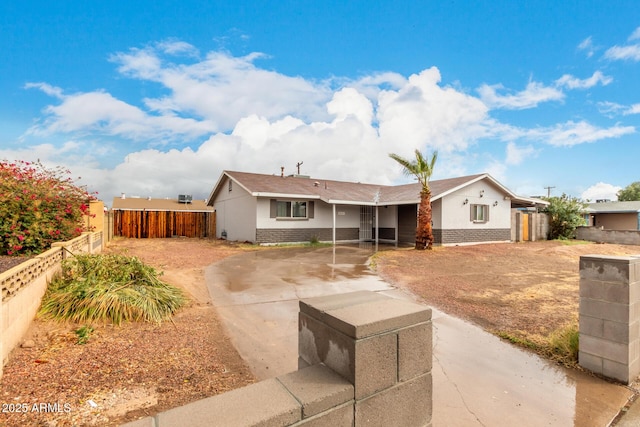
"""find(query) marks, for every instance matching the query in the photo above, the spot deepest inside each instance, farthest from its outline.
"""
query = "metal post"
(334, 224)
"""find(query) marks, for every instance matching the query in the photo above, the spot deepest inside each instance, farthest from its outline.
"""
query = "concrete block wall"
(365, 359)
(621, 237)
(24, 285)
(609, 316)
(380, 345)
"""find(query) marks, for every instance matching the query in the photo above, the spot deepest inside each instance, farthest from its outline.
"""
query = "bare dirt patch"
(525, 289)
(134, 370)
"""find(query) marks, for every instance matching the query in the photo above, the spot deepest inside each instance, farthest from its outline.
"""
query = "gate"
(366, 223)
(525, 227)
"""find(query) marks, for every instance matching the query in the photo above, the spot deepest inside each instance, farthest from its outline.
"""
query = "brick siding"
(282, 235)
(470, 235)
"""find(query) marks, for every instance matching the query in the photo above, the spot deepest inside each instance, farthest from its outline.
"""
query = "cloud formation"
(217, 111)
(600, 191)
(628, 52)
(534, 94)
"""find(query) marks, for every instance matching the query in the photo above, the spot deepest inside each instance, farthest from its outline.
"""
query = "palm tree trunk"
(424, 233)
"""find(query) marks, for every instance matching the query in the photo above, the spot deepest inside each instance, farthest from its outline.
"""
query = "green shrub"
(565, 215)
(112, 288)
(38, 206)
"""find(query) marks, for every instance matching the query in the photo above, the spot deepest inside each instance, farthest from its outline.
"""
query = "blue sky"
(157, 98)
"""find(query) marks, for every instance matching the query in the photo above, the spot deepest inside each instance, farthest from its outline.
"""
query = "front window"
(286, 209)
(479, 213)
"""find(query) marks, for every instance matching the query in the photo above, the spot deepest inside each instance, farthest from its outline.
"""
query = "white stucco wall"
(235, 213)
(346, 216)
(387, 216)
(458, 214)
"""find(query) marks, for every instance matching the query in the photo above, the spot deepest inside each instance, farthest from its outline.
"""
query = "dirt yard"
(124, 373)
(524, 289)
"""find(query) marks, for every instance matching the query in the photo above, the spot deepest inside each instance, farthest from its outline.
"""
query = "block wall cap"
(363, 314)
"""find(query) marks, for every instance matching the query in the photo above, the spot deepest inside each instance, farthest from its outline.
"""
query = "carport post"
(334, 223)
(377, 231)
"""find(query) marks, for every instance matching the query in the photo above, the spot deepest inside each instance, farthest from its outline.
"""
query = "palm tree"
(422, 170)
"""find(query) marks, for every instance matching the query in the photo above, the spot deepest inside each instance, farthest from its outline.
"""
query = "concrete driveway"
(478, 379)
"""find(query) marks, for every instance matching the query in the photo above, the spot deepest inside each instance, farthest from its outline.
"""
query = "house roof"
(614, 207)
(342, 192)
(141, 204)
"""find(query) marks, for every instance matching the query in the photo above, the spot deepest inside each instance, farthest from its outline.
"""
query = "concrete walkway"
(478, 379)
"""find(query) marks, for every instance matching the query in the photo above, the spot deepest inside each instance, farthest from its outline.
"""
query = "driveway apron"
(478, 380)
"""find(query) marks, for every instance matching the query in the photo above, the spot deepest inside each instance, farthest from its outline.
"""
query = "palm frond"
(115, 288)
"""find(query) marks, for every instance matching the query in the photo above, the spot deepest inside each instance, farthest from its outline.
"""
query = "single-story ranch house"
(614, 215)
(275, 209)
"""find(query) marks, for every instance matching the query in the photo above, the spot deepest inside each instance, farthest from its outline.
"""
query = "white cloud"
(516, 154)
(534, 94)
(349, 102)
(633, 109)
(102, 113)
(225, 112)
(56, 92)
(587, 46)
(571, 82)
(629, 52)
(222, 88)
(177, 47)
(612, 108)
(600, 191)
(573, 133)
(425, 115)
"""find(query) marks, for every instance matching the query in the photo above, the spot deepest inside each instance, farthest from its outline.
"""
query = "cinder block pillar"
(610, 316)
(382, 345)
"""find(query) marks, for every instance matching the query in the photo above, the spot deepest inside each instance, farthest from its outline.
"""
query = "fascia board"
(286, 195)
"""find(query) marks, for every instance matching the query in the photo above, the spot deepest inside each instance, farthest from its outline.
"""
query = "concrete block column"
(610, 316)
(381, 345)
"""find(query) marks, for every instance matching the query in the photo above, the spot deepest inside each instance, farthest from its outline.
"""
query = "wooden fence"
(161, 224)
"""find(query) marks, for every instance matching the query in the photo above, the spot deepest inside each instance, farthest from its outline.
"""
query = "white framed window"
(288, 209)
(480, 213)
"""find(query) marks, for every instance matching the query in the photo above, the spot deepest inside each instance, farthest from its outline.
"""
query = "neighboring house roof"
(614, 207)
(341, 192)
(142, 204)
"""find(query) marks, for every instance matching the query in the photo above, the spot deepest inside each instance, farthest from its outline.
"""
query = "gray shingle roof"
(614, 207)
(339, 191)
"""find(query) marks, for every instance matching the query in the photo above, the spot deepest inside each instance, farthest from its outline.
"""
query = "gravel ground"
(131, 371)
(124, 373)
(526, 289)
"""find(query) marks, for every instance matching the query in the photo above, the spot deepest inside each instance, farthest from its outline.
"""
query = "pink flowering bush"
(38, 206)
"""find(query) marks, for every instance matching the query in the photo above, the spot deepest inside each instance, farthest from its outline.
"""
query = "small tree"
(422, 170)
(565, 215)
(630, 193)
(38, 206)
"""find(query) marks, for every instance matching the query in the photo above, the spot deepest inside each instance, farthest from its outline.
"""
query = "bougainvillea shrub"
(38, 206)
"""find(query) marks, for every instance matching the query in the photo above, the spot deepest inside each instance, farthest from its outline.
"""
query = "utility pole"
(549, 191)
(298, 166)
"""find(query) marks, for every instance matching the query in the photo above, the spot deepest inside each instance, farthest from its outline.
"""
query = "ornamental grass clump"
(113, 288)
